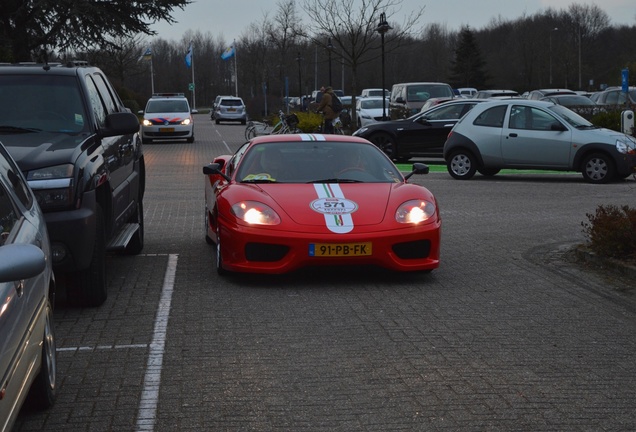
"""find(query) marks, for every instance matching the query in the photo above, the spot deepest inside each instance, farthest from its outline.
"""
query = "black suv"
(80, 150)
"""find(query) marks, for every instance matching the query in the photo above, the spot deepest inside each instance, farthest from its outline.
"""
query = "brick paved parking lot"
(508, 334)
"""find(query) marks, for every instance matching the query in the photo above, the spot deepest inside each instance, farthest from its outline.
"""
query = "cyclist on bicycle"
(327, 111)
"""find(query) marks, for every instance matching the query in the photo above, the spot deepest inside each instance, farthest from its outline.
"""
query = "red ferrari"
(283, 202)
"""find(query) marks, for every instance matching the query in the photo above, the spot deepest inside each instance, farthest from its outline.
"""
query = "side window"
(541, 120)
(8, 215)
(96, 102)
(492, 117)
(447, 113)
(110, 98)
(232, 163)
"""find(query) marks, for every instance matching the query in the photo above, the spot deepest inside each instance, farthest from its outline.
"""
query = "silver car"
(528, 134)
(230, 108)
(27, 339)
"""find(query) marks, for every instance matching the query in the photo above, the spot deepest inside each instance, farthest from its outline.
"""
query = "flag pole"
(194, 89)
(235, 71)
(152, 77)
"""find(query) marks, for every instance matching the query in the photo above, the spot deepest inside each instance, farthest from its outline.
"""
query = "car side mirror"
(400, 100)
(558, 127)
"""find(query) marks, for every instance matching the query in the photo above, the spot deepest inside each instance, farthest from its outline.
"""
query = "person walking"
(325, 107)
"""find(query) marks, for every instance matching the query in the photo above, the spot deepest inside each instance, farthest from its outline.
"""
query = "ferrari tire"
(598, 168)
(42, 392)
(206, 218)
(219, 255)
(462, 165)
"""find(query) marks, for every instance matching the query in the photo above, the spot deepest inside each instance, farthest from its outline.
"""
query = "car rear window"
(231, 102)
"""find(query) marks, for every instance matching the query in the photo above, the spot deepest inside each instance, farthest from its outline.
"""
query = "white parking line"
(147, 413)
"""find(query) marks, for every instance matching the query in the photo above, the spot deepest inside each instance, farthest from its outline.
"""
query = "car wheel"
(136, 244)
(384, 142)
(217, 121)
(598, 168)
(359, 124)
(42, 392)
(462, 165)
(488, 172)
(243, 122)
(208, 240)
(191, 139)
(88, 287)
(146, 141)
(219, 255)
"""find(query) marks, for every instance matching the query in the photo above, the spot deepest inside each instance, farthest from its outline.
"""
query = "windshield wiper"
(16, 129)
(336, 180)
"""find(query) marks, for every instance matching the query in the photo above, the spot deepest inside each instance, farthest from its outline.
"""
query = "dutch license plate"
(231, 109)
(340, 249)
(166, 129)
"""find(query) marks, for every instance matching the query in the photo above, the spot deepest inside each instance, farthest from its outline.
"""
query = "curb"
(583, 253)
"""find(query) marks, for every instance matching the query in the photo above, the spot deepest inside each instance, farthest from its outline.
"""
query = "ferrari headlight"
(255, 213)
(415, 211)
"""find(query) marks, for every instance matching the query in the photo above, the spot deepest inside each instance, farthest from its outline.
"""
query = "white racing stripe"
(337, 221)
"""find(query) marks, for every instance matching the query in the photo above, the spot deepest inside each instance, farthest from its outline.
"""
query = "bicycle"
(337, 126)
(286, 124)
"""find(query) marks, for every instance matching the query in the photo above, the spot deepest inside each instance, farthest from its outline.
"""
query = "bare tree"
(351, 27)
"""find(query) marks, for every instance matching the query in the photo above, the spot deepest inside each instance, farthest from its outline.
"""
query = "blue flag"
(228, 53)
(188, 57)
(147, 55)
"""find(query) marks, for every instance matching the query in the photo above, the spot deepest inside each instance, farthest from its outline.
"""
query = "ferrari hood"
(339, 206)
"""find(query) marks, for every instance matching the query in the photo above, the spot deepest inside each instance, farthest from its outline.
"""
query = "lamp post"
(383, 27)
(300, 82)
(553, 30)
(329, 48)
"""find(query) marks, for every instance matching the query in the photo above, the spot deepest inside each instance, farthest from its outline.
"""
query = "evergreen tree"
(467, 70)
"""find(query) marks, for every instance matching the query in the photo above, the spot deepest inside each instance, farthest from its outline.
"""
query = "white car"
(230, 108)
(369, 110)
(167, 116)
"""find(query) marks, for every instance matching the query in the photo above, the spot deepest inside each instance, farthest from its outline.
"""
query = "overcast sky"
(228, 19)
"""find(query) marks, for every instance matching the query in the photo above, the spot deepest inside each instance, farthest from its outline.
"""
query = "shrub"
(612, 232)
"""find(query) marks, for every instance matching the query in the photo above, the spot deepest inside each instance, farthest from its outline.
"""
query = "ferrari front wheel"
(219, 255)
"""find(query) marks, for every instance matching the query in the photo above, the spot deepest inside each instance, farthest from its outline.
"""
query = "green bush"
(611, 231)
(309, 122)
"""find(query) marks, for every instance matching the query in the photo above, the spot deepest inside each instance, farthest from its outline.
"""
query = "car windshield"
(422, 93)
(373, 104)
(571, 117)
(167, 106)
(33, 103)
(316, 162)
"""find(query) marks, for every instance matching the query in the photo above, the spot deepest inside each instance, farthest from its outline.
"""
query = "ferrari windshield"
(316, 162)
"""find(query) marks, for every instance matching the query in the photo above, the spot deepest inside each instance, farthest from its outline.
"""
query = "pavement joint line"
(147, 413)
(101, 347)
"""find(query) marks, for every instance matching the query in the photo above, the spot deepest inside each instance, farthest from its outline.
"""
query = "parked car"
(466, 92)
(570, 100)
(541, 93)
(27, 289)
(373, 92)
(407, 98)
(616, 96)
(527, 134)
(421, 135)
(369, 110)
(230, 108)
(167, 116)
(487, 94)
(284, 202)
(80, 150)
(582, 105)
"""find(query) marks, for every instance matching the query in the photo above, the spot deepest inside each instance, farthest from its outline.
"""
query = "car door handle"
(513, 135)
